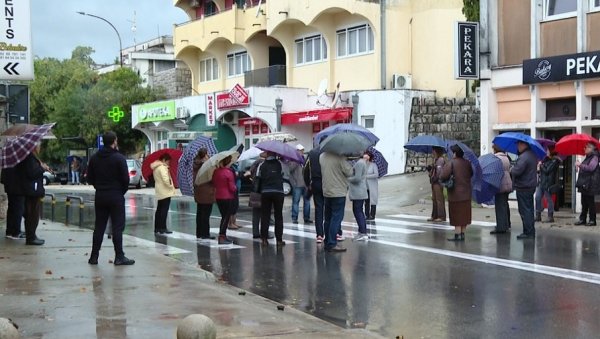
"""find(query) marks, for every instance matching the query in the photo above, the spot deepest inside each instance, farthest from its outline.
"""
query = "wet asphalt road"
(407, 280)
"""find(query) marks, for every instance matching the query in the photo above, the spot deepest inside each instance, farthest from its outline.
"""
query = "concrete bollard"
(8, 329)
(196, 326)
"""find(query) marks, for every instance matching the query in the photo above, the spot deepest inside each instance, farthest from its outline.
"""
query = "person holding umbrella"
(459, 195)
(501, 198)
(225, 189)
(269, 183)
(204, 195)
(314, 183)
(547, 173)
(299, 190)
(372, 186)
(163, 185)
(438, 212)
(524, 174)
(588, 184)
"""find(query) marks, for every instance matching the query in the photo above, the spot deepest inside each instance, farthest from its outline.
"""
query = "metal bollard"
(52, 206)
(68, 209)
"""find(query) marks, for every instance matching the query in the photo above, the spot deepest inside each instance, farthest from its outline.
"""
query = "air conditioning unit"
(194, 3)
(230, 118)
(182, 113)
(401, 81)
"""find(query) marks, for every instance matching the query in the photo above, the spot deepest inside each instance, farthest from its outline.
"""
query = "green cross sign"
(116, 114)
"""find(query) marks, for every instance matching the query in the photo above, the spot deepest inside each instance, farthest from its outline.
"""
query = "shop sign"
(156, 111)
(249, 121)
(210, 110)
(16, 55)
(237, 97)
(567, 67)
(466, 49)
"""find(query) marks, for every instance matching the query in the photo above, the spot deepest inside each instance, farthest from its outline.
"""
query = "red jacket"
(224, 184)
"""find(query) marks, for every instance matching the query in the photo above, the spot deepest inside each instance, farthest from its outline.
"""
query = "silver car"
(134, 167)
(49, 178)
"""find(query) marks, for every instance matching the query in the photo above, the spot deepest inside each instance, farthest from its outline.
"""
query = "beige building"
(299, 66)
(540, 73)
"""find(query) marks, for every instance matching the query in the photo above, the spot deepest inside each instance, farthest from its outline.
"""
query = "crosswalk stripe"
(160, 248)
(420, 217)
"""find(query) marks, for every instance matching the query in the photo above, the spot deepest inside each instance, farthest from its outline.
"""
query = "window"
(355, 41)
(311, 49)
(163, 65)
(368, 121)
(238, 63)
(596, 108)
(595, 5)
(209, 70)
(558, 9)
(560, 109)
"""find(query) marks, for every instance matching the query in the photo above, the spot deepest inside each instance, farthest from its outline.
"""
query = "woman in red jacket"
(224, 183)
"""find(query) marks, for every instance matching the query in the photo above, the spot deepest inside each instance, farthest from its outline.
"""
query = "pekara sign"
(16, 57)
(466, 49)
(567, 67)
(236, 97)
(156, 111)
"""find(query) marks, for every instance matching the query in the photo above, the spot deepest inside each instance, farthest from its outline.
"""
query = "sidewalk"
(51, 292)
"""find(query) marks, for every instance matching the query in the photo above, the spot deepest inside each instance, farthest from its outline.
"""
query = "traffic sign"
(16, 55)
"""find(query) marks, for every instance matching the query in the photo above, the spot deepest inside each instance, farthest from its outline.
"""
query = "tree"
(471, 10)
(74, 96)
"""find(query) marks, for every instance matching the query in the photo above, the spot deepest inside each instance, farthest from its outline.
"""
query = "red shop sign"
(237, 97)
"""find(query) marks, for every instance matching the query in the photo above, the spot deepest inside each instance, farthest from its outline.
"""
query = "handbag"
(449, 183)
(254, 200)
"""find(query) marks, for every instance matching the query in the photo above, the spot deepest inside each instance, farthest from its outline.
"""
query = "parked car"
(135, 173)
(247, 184)
(49, 178)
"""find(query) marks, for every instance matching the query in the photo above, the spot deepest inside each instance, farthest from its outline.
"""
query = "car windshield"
(130, 163)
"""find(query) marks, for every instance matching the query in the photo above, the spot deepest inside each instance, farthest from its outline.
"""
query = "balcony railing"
(264, 77)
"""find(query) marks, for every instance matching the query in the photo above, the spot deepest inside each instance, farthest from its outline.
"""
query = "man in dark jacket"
(30, 176)
(269, 175)
(524, 175)
(313, 180)
(16, 204)
(107, 171)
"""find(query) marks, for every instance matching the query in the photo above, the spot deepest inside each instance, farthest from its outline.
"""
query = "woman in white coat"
(372, 186)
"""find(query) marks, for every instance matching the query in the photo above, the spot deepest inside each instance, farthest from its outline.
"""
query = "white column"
(489, 115)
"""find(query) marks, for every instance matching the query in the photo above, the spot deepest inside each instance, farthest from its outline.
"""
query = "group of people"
(533, 182)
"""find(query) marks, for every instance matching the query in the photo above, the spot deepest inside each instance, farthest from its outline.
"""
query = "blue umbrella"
(321, 136)
(283, 150)
(472, 158)
(185, 169)
(425, 143)
(492, 173)
(346, 143)
(508, 143)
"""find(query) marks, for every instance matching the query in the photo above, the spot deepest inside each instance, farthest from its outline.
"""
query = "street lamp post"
(111, 25)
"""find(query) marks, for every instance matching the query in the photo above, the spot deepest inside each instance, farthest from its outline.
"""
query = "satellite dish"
(336, 96)
(322, 87)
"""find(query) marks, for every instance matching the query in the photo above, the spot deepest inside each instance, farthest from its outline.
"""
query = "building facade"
(301, 66)
(540, 73)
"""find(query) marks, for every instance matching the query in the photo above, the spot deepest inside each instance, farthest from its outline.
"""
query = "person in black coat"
(588, 184)
(548, 185)
(107, 171)
(30, 178)
(314, 183)
(16, 203)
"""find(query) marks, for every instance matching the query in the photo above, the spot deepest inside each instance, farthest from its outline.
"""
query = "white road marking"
(420, 217)
(160, 248)
(396, 229)
(589, 277)
(212, 243)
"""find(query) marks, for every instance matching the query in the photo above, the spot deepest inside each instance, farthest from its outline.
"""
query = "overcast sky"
(57, 29)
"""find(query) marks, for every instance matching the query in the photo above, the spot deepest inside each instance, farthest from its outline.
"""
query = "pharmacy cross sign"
(116, 114)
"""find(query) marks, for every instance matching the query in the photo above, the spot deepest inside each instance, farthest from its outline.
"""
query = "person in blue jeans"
(524, 175)
(335, 171)
(314, 184)
(299, 190)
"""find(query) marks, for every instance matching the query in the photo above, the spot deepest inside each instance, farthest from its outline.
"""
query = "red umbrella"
(152, 157)
(574, 144)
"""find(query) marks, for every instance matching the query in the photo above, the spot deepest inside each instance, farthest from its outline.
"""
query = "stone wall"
(449, 118)
(176, 82)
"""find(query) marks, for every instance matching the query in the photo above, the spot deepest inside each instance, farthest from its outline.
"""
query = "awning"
(319, 115)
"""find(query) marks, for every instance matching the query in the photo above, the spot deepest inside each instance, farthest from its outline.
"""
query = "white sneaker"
(361, 237)
(319, 239)
(339, 237)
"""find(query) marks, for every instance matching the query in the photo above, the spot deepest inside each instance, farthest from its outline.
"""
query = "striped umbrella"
(18, 148)
(492, 173)
(379, 160)
(185, 169)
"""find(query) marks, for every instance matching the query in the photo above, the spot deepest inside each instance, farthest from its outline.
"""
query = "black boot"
(373, 211)
(462, 236)
(457, 237)
(538, 216)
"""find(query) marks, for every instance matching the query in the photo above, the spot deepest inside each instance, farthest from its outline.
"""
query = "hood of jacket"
(157, 164)
(106, 152)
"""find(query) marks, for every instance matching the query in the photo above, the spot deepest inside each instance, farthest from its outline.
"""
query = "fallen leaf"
(48, 272)
(62, 278)
(110, 261)
(83, 290)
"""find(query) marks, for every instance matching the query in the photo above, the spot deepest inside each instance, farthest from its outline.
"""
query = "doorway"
(566, 195)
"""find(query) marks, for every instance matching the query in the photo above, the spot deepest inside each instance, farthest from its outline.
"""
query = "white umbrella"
(206, 171)
(279, 136)
(251, 153)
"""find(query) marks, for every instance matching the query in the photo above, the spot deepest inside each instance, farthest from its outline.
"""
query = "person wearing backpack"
(588, 184)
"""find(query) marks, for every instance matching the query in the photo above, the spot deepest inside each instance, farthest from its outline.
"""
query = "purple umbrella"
(18, 148)
(284, 151)
(546, 143)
